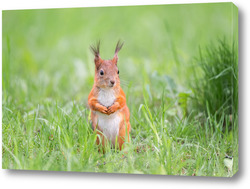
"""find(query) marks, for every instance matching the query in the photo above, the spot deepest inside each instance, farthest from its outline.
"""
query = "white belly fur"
(108, 124)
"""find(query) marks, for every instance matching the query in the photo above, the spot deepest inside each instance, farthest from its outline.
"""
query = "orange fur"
(107, 101)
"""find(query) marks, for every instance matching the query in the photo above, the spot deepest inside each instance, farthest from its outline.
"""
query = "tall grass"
(215, 86)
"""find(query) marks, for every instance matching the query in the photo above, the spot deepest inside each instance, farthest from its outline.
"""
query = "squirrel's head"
(106, 71)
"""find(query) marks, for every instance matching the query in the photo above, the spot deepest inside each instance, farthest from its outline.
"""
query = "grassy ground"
(48, 71)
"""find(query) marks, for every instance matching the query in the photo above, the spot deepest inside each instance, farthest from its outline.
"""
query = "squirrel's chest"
(108, 124)
(106, 97)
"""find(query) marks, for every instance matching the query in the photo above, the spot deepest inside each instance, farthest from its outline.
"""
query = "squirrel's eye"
(118, 72)
(101, 72)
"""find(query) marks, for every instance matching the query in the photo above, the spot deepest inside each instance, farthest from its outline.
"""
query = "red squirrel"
(107, 101)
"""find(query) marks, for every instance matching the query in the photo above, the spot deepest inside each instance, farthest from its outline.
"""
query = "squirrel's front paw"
(103, 110)
(112, 109)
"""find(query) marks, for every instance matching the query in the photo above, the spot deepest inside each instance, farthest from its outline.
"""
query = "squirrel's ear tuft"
(118, 46)
(117, 49)
(96, 51)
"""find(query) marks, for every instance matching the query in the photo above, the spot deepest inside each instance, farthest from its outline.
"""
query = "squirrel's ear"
(117, 49)
(96, 51)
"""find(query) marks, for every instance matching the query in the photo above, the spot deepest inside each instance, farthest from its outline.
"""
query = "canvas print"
(128, 89)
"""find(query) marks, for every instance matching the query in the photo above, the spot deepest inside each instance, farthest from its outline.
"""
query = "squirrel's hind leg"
(123, 132)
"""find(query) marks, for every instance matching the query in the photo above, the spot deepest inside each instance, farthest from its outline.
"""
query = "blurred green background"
(178, 68)
(46, 52)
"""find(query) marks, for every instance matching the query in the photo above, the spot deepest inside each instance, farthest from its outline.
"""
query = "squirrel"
(107, 101)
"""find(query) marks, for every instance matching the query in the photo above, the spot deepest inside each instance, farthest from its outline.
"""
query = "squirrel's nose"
(112, 82)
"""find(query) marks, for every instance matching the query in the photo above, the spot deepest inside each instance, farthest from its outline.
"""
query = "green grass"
(54, 136)
(48, 72)
(219, 81)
